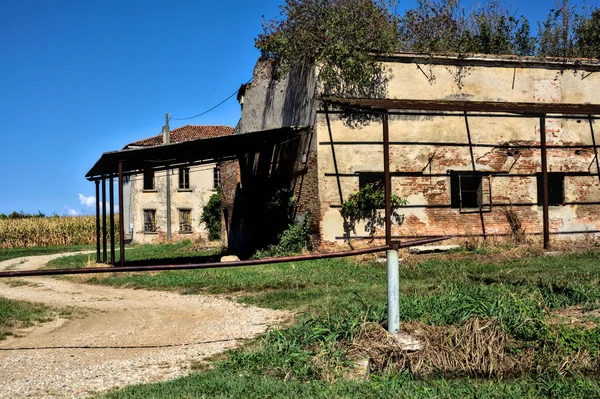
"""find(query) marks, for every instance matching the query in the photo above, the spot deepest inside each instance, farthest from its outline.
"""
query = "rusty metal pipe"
(104, 220)
(545, 212)
(111, 196)
(215, 265)
(97, 221)
(387, 183)
(121, 217)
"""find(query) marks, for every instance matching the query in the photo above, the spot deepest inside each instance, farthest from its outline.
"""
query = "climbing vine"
(366, 205)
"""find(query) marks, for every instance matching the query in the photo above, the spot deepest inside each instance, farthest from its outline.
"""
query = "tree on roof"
(338, 35)
(444, 26)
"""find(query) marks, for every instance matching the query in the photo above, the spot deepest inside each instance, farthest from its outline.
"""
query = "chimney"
(165, 131)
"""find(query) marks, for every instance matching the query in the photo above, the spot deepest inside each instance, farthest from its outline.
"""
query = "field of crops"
(47, 231)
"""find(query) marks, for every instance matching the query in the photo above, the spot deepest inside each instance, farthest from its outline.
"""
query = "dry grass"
(477, 349)
(44, 232)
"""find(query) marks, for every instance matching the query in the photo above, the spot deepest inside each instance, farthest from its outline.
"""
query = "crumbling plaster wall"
(272, 103)
(194, 198)
(445, 147)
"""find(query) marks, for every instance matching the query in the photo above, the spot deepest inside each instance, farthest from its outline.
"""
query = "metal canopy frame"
(187, 153)
(162, 157)
(448, 107)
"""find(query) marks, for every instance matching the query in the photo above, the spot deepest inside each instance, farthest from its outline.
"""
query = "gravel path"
(117, 337)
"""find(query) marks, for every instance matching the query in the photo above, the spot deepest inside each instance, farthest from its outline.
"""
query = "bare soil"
(114, 337)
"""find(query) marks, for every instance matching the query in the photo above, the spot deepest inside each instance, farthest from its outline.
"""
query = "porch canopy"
(469, 108)
(187, 153)
(167, 156)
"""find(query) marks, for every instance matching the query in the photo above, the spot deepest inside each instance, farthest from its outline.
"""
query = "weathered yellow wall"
(428, 192)
(201, 188)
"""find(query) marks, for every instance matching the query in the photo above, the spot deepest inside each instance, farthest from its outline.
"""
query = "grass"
(502, 309)
(224, 384)
(178, 252)
(6, 254)
(19, 314)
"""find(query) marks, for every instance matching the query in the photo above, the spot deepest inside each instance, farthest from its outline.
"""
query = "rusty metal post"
(387, 181)
(121, 217)
(111, 195)
(168, 176)
(97, 221)
(594, 144)
(545, 212)
(393, 266)
(104, 257)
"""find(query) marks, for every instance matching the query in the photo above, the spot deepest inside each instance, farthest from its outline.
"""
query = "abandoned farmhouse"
(469, 137)
(156, 205)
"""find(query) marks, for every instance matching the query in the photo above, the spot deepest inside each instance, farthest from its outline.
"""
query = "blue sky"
(79, 78)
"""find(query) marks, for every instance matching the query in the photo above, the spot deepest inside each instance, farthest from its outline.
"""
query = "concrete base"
(407, 342)
(230, 258)
(429, 249)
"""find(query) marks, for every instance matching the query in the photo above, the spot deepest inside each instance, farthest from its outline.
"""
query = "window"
(556, 189)
(216, 177)
(365, 178)
(148, 180)
(185, 221)
(470, 191)
(149, 220)
(184, 178)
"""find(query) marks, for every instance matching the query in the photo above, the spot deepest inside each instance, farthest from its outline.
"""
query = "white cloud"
(73, 212)
(87, 202)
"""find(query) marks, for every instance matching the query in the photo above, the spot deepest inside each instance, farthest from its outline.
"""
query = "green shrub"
(211, 215)
(293, 240)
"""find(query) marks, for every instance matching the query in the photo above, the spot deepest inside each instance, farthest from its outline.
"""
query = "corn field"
(45, 232)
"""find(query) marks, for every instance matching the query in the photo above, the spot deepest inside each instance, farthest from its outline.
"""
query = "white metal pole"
(393, 288)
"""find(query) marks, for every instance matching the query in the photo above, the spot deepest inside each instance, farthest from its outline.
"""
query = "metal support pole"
(393, 291)
(594, 144)
(104, 257)
(168, 172)
(387, 182)
(111, 195)
(121, 217)
(97, 221)
(393, 272)
(544, 182)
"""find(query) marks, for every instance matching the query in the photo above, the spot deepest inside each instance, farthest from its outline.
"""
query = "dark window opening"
(184, 178)
(469, 191)
(365, 178)
(556, 189)
(185, 221)
(216, 177)
(149, 220)
(148, 180)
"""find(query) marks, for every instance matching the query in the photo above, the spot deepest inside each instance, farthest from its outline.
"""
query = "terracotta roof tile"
(184, 133)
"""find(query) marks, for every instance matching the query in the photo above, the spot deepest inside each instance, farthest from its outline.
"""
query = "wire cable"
(222, 102)
(207, 111)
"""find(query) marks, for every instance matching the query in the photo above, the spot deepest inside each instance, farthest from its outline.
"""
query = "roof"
(191, 152)
(523, 108)
(509, 61)
(184, 133)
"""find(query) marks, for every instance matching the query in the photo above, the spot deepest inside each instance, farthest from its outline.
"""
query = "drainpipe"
(167, 140)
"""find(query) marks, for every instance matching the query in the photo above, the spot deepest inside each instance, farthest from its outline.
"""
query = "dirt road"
(117, 337)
